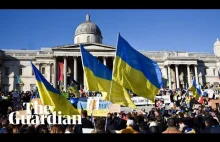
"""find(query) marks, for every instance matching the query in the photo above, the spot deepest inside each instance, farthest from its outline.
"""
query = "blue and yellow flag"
(73, 88)
(196, 91)
(19, 80)
(52, 97)
(99, 78)
(135, 71)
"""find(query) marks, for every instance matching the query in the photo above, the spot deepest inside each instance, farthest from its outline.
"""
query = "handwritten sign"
(102, 110)
(114, 108)
(93, 104)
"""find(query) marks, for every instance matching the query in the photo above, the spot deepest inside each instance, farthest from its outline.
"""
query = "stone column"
(169, 76)
(65, 74)
(38, 66)
(188, 75)
(48, 72)
(177, 77)
(75, 69)
(55, 73)
(196, 74)
(165, 72)
(104, 61)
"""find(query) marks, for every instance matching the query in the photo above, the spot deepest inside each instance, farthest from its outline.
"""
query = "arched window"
(88, 38)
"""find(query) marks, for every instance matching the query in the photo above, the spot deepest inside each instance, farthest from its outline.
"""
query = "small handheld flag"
(19, 80)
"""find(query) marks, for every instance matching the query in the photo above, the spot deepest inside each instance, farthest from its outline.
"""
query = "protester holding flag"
(50, 96)
(19, 80)
(73, 88)
(99, 78)
(196, 91)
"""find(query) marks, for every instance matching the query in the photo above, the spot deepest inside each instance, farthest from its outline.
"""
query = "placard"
(102, 110)
(213, 103)
(93, 104)
(114, 108)
(196, 106)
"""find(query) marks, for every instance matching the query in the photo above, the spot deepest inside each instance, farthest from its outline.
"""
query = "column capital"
(176, 65)
(187, 65)
(195, 65)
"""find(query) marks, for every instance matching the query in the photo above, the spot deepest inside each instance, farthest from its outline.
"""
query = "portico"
(181, 75)
(72, 63)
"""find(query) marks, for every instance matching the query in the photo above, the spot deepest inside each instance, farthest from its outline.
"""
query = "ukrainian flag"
(99, 78)
(50, 96)
(73, 88)
(19, 80)
(135, 71)
(196, 91)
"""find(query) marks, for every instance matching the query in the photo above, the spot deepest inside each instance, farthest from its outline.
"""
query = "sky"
(150, 30)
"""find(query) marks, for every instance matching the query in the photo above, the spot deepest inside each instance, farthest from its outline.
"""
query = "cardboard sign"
(103, 107)
(213, 103)
(21, 113)
(93, 104)
(114, 108)
(196, 106)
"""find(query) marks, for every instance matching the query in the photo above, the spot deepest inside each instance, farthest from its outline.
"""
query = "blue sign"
(82, 104)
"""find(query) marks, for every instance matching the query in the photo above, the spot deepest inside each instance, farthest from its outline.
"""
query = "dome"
(88, 27)
(217, 43)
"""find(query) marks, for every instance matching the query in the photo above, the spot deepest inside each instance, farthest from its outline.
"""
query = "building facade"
(178, 68)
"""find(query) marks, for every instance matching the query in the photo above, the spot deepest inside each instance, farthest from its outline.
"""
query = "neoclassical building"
(178, 68)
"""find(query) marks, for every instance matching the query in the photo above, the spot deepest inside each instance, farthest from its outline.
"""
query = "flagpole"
(85, 83)
(110, 91)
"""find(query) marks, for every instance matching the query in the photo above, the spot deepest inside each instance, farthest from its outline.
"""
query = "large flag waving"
(52, 97)
(196, 91)
(99, 78)
(135, 71)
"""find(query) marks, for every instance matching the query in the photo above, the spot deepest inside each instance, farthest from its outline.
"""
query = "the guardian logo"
(42, 112)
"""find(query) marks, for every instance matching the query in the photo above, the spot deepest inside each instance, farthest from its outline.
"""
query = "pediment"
(89, 46)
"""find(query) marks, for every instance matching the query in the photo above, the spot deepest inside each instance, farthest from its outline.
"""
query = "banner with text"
(101, 110)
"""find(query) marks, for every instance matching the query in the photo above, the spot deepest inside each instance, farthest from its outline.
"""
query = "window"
(43, 70)
(88, 38)
(6, 70)
(20, 72)
(213, 71)
(32, 72)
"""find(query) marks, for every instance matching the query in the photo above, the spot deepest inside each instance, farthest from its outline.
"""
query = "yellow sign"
(100, 112)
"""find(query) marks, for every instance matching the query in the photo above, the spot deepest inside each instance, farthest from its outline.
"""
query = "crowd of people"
(180, 118)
